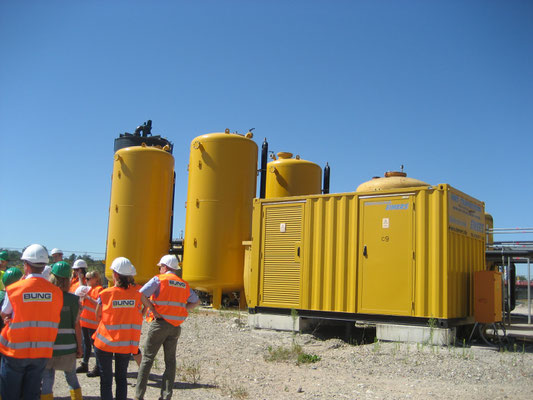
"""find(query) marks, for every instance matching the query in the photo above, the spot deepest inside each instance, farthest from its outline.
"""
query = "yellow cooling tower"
(222, 184)
(140, 210)
(289, 176)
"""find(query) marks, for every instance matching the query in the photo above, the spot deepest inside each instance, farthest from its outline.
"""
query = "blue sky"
(444, 88)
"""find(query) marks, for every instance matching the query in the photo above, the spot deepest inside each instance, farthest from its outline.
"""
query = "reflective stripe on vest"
(119, 330)
(91, 300)
(65, 331)
(88, 310)
(89, 321)
(122, 327)
(37, 305)
(171, 302)
(33, 324)
(25, 345)
(117, 344)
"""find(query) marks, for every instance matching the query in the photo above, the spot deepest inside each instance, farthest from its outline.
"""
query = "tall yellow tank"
(287, 176)
(222, 185)
(140, 210)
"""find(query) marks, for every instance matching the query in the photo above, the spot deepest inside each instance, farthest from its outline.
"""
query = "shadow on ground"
(155, 381)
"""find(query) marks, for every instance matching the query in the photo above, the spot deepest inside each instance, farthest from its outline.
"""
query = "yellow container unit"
(405, 252)
(288, 176)
(222, 185)
(140, 211)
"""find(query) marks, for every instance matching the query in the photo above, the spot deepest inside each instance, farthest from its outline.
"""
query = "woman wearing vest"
(171, 298)
(31, 312)
(119, 330)
(89, 322)
(67, 345)
(80, 270)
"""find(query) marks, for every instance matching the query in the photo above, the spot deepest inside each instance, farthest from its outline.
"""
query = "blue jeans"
(105, 363)
(88, 342)
(49, 377)
(20, 378)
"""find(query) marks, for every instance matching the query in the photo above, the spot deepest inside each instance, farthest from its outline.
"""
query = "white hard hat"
(82, 290)
(35, 253)
(46, 271)
(170, 261)
(79, 264)
(123, 266)
(56, 251)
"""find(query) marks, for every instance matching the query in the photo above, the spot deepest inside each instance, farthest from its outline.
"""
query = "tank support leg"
(217, 298)
(242, 300)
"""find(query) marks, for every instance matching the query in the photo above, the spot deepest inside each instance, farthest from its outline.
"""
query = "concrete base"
(415, 334)
(280, 322)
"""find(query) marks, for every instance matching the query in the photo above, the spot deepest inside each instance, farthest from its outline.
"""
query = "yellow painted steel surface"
(489, 224)
(405, 252)
(140, 210)
(391, 180)
(222, 184)
(289, 176)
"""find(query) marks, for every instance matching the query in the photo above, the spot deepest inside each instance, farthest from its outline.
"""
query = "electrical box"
(488, 296)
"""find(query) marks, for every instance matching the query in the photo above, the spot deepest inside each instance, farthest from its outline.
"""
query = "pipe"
(327, 172)
(264, 160)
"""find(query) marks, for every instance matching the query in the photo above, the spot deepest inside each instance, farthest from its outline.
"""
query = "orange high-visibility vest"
(119, 329)
(172, 300)
(74, 283)
(88, 308)
(37, 306)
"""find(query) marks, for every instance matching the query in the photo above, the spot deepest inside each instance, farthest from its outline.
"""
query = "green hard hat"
(3, 255)
(61, 269)
(11, 275)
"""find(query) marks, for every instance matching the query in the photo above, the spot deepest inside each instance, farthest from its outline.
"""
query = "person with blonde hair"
(88, 321)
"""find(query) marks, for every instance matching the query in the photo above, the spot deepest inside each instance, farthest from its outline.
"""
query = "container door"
(386, 257)
(281, 252)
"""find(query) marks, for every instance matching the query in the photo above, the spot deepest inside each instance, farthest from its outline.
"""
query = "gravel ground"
(219, 356)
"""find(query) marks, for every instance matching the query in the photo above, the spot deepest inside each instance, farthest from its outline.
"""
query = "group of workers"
(51, 318)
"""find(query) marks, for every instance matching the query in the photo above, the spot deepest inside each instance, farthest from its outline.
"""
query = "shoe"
(94, 373)
(82, 368)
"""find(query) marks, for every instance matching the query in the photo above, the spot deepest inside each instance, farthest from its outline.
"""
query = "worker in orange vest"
(88, 321)
(31, 312)
(80, 270)
(171, 299)
(119, 330)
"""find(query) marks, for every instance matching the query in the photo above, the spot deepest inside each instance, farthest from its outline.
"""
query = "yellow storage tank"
(287, 176)
(407, 252)
(222, 185)
(140, 210)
